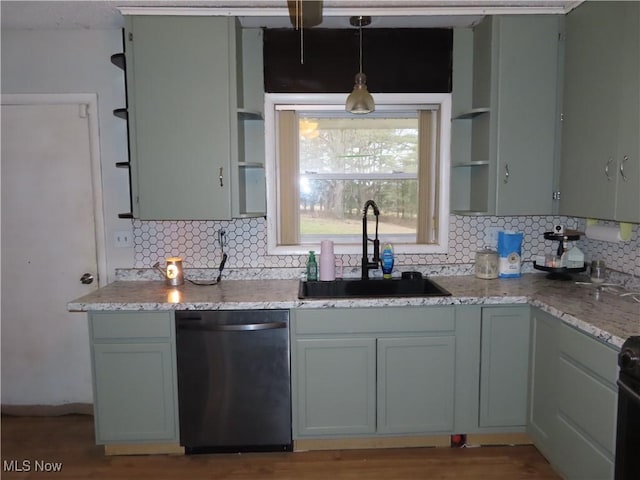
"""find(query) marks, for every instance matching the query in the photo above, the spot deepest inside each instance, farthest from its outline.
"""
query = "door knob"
(86, 279)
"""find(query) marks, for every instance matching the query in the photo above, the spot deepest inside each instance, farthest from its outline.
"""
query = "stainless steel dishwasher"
(234, 386)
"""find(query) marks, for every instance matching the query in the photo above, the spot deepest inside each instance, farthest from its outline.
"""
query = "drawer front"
(589, 353)
(122, 325)
(587, 404)
(374, 320)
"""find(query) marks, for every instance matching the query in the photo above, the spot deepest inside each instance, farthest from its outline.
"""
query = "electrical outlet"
(122, 239)
(491, 236)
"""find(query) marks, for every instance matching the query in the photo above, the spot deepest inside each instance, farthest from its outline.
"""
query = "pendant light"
(360, 100)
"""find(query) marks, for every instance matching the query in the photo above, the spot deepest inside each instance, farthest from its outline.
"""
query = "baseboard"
(47, 410)
(143, 449)
(305, 444)
(499, 439)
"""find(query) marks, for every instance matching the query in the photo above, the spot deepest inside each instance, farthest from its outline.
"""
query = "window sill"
(404, 249)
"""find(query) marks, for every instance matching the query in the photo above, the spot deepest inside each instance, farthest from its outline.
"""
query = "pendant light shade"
(360, 100)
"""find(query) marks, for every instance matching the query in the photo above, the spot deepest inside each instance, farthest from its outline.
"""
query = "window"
(323, 164)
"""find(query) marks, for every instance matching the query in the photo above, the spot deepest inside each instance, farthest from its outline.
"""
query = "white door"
(48, 244)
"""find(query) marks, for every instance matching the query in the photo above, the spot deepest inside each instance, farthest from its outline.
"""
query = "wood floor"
(68, 440)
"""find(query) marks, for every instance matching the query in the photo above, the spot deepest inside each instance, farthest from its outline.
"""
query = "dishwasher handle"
(215, 327)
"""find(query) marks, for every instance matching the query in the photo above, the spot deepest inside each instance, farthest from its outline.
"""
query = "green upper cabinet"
(186, 116)
(600, 168)
(504, 134)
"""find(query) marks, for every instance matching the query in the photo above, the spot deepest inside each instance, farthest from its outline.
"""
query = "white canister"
(327, 261)
(486, 266)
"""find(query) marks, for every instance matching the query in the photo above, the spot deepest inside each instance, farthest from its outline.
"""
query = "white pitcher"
(328, 261)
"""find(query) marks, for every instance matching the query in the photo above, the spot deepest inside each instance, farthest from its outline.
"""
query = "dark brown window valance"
(403, 60)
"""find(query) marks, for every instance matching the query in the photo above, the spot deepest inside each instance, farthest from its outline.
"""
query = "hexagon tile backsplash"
(246, 243)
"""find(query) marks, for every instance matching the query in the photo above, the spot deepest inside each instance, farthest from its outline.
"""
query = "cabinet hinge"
(556, 195)
(562, 116)
(131, 36)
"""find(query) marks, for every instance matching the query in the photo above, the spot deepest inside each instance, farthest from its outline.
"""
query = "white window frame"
(276, 101)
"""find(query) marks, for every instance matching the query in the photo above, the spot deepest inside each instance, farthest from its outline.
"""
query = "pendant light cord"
(360, 44)
(300, 26)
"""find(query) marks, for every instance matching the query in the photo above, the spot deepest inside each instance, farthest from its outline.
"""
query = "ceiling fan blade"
(305, 13)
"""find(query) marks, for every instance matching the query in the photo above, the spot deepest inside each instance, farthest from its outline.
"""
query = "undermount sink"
(356, 288)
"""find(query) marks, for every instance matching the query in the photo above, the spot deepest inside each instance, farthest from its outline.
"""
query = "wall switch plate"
(122, 239)
(491, 236)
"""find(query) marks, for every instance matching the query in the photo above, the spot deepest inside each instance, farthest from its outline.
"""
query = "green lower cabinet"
(587, 405)
(416, 384)
(133, 400)
(504, 366)
(573, 399)
(373, 371)
(543, 396)
(134, 377)
(336, 386)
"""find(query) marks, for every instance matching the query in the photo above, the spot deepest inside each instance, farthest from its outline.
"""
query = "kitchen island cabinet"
(134, 379)
(573, 404)
(600, 167)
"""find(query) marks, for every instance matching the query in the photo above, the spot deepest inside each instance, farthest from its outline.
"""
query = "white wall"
(69, 61)
(78, 61)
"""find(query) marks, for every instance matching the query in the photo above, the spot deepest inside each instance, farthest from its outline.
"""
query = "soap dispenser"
(312, 267)
(387, 260)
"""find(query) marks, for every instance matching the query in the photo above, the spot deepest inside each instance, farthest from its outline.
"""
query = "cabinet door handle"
(506, 173)
(624, 177)
(220, 177)
(606, 168)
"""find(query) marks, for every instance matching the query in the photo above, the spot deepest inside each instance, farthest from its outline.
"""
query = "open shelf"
(473, 163)
(121, 113)
(251, 164)
(118, 60)
(244, 114)
(474, 112)
(469, 213)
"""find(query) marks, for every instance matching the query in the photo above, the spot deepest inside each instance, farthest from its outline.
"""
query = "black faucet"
(366, 264)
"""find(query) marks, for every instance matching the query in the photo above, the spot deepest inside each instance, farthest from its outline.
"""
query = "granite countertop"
(600, 312)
